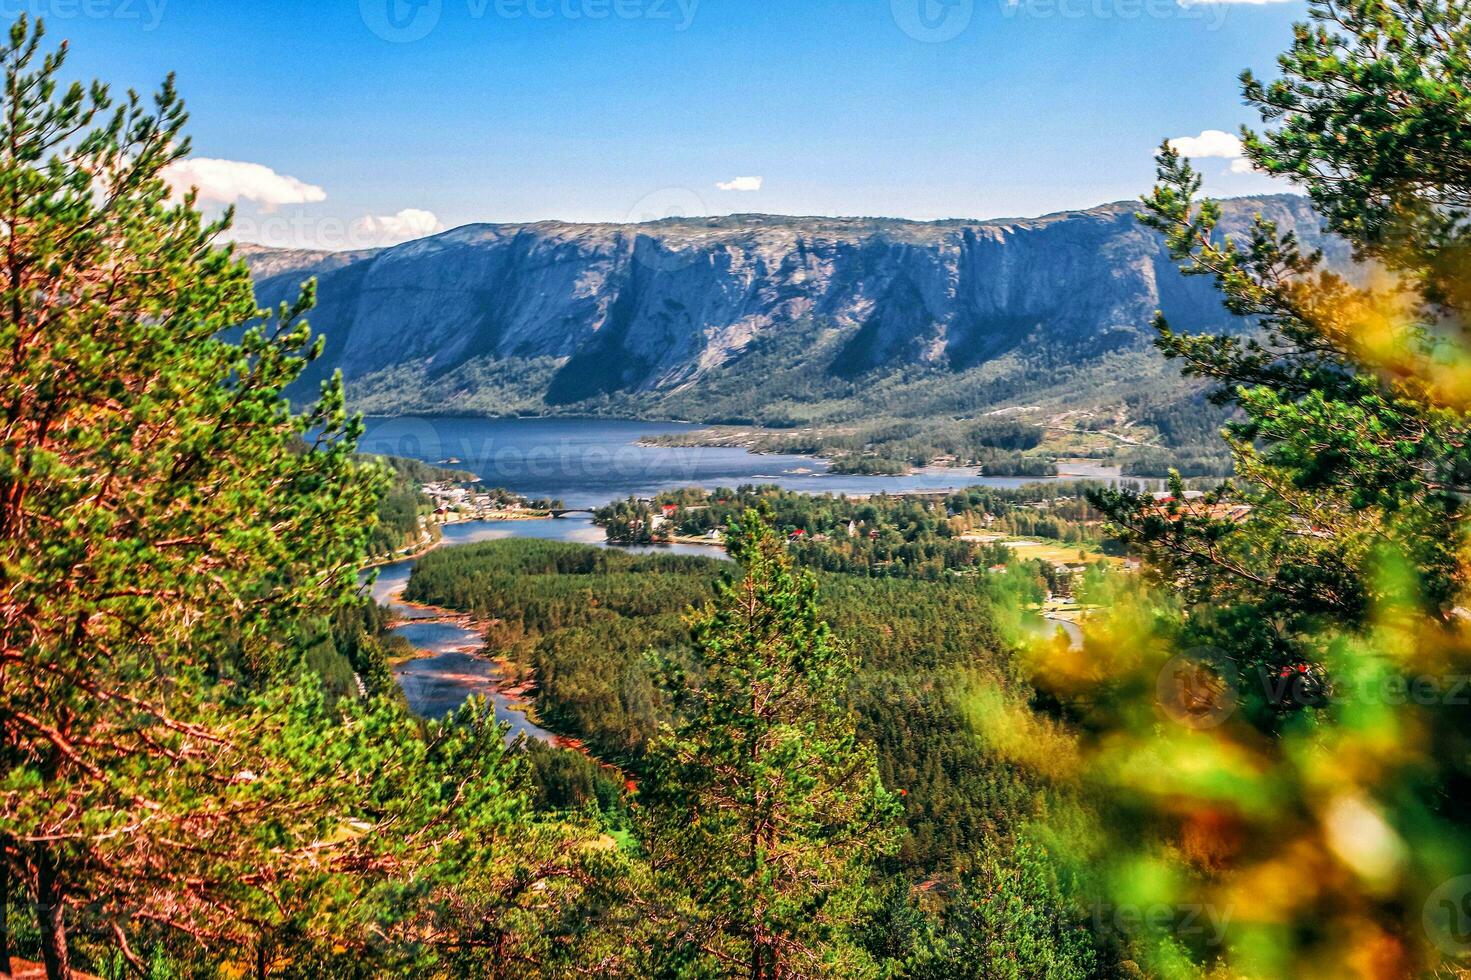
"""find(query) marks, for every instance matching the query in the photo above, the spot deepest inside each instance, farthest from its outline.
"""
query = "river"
(451, 667)
(583, 463)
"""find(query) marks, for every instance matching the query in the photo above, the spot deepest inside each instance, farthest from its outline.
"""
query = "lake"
(588, 462)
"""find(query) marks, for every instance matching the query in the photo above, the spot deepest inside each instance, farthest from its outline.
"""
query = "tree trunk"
(4, 916)
(51, 918)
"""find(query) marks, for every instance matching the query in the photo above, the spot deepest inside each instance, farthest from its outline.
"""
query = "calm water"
(576, 528)
(437, 683)
(588, 462)
(450, 671)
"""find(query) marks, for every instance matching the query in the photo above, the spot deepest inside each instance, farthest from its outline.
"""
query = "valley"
(663, 580)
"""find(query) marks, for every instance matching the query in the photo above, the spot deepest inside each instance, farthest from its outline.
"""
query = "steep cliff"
(750, 315)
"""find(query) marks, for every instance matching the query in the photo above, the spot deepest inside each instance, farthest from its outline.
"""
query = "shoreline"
(670, 542)
(514, 690)
(749, 440)
(430, 546)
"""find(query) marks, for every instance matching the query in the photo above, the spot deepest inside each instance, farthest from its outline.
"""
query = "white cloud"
(230, 181)
(1210, 143)
(742, 184)
(1215, 143)
(408, 224)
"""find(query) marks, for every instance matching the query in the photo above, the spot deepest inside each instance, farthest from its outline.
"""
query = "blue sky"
(378, 119)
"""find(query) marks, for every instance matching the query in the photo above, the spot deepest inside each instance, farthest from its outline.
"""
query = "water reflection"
(450, 670)
(437, 685)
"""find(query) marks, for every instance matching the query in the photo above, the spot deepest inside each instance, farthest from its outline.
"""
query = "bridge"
(573, 510)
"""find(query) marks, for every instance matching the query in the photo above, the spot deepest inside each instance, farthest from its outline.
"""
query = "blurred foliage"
(1274, 724)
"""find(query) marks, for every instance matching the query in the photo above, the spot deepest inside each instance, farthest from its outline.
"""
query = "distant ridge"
(756, 317)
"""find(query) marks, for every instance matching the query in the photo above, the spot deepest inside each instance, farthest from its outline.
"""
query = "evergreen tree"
(1010, 921)
(174, 542)
(761, 808)
(162, 536)
(1353, 438)
(1320, 633)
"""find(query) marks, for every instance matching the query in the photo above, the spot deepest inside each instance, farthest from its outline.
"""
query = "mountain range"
(766, 319)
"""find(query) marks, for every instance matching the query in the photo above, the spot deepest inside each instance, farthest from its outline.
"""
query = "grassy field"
(1052, 551)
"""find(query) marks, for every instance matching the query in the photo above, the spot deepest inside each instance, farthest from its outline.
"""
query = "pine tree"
(1010, 921)
(161, 532)
(174, 541)
(1333, 610)
(1351, 435)
(761, 808)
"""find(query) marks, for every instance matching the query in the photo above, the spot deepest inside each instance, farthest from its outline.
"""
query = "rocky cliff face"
(632, 311)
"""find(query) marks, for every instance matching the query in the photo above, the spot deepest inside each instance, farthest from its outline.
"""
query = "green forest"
(996, 445)
(854, 750)
(914, 536)
(401, 505)
(885, 443)
(924, 649)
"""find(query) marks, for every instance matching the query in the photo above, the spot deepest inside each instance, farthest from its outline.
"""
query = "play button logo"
(401, 21)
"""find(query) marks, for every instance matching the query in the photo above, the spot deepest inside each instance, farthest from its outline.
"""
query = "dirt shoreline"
(516, 690)
(751, 441)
